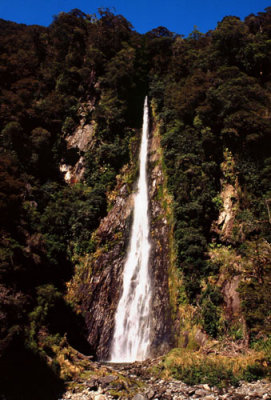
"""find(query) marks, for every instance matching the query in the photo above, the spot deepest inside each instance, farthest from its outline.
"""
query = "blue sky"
(179, 16)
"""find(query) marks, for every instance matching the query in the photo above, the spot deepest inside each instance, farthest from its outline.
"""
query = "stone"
(200, 392)
(106, 380)
(201, 337)
(99, 397)
(92, 384)
(82, 137)
(150, 394)
(139, 396)
(160, 389)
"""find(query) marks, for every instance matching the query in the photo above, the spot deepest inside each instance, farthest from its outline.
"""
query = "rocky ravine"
(134, 382)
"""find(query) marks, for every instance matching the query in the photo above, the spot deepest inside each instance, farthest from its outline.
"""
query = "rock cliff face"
(81, 139)
(100, 284)
(101, 293)
(229, 198)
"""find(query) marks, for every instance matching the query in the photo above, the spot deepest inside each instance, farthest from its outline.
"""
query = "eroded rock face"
(231, 296)
(100, 294)
(73, 174)
(81, 139)
(227, 215)
(229, 198)
(82, 136)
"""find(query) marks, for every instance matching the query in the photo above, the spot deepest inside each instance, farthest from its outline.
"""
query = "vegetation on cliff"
(212, 100)
(211, 95)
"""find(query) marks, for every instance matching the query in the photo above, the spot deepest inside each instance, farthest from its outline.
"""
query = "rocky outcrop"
(100, 285)
(82, 136)
(81, 139)
(73, 174)
(227, 214)
(228, 197)
(231, 297)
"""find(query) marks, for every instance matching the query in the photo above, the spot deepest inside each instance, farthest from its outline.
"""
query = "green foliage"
(264, 344)
(213, 374)
(254, 290)
(190, 181)
(69, 219)
(206, 373)
(195, 368)
(47, 295)
(236, 331)
(218, 202)
(12, 136)
(229, 37)
(254, 372)
(210, 300)
(49, 76)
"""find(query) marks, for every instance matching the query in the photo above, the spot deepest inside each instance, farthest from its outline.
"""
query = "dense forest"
(210, 95)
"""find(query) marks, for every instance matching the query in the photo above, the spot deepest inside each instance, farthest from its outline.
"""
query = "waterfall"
(131, 339)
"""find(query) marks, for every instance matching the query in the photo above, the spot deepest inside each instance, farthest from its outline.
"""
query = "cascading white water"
(131, 340)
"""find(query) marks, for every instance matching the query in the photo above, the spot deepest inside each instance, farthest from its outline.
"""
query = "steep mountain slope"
(71, 111)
